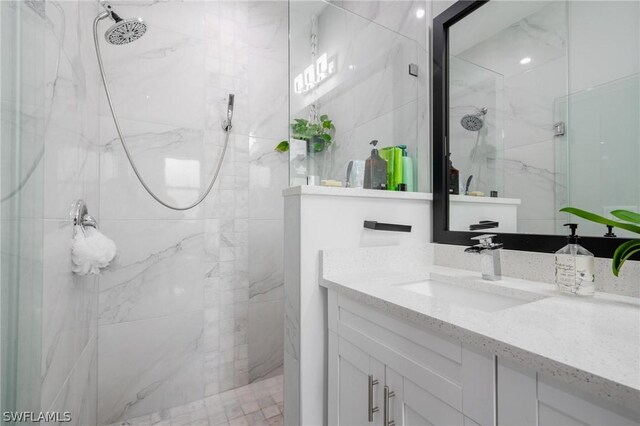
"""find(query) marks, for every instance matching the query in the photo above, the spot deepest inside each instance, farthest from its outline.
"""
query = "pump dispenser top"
(573, 238)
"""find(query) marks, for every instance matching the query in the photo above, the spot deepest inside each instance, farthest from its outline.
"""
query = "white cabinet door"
(422, 408)
(353, 398)
(394, 391)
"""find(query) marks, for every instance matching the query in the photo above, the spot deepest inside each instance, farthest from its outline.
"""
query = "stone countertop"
(590, 343)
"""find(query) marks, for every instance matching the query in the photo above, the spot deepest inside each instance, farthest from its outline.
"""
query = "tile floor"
(258, 403)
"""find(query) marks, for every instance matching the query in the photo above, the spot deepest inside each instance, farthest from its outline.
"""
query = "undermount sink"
(467, 297)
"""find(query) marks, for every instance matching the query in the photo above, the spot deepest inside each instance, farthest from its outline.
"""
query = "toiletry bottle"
(375, 170)
(407, 169)
(393, 156)
(454, 179)
(575, 267)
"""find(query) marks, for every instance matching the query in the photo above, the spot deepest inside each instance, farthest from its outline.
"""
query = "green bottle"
(407, 169)
(393, 155)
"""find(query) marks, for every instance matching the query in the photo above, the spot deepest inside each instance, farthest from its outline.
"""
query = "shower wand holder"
(81, 217)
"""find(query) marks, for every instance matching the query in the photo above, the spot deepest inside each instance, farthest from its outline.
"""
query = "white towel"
(91, 251)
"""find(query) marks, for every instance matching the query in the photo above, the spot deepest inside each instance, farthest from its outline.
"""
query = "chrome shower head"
(474, 122)
(124, 31)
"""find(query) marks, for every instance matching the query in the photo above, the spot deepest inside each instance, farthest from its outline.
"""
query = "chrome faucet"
(490, 251)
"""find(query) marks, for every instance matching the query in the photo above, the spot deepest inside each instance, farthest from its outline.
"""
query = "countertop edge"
(607, 389)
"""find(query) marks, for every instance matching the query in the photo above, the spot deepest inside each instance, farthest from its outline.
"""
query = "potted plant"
(630, 222)
(319, 136)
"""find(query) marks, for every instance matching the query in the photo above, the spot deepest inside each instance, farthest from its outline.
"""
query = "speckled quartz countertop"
(591, 343)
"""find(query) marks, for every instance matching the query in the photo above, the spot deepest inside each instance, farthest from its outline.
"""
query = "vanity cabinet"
(383, 371)
(431, 379)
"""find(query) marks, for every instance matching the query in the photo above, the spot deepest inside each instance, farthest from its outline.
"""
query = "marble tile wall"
(372, 96)
(193, 305)
(70, 169)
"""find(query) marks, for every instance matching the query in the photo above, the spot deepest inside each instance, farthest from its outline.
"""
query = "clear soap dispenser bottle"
(575, 267)
(375, 170)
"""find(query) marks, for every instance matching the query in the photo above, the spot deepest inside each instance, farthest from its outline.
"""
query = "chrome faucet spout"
(490, 251)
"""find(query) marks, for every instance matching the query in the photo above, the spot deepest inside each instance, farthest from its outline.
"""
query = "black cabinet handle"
(484, 224)
(379, 226)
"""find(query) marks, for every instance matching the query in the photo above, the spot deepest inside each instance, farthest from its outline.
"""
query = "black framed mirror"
(486, 44)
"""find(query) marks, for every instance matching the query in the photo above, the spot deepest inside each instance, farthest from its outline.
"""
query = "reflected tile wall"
(183, 306)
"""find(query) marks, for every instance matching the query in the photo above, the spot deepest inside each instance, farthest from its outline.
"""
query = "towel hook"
(81, 216)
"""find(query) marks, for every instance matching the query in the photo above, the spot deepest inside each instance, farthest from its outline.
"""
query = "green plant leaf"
(318, 146)
(282, 146)
(324, 117)
(626, 215)
(326, 137)
(327, 124)
(599, 219)
(622, 253)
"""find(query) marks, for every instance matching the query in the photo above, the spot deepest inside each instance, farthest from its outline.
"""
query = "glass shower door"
(22, 94)
(601, 142)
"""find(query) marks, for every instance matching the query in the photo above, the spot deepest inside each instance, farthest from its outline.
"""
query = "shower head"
(474, 122)
(124, 31)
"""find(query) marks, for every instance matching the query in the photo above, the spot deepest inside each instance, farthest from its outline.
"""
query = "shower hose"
(226, 128)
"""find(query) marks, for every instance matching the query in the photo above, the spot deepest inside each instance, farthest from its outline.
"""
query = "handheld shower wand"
(227, 124)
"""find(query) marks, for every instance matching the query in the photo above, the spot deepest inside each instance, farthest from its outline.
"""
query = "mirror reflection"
(544, 113)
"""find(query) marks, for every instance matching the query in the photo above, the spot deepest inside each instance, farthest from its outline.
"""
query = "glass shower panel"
(22, 93)
(355, 73)
(603, 131)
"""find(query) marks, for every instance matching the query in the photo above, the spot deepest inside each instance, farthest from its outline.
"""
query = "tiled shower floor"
(258, 403)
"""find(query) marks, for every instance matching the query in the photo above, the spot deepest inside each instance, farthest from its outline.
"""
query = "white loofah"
(91, 252)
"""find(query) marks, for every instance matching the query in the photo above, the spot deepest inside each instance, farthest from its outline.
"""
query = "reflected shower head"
(124, 31)
(474, 122)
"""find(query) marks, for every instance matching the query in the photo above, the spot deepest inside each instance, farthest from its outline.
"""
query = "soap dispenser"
(575, 267)
(407, 168)
(375, 170)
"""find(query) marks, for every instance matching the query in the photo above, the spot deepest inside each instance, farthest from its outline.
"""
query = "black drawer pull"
(484, 224)
(379, 226)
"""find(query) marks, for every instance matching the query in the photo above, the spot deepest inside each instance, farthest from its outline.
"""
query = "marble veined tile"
(159, 78)
(176, 16)
(268, 30)
(269, 98)
(529, 174)
(71, 142)
(160, 270)
(266, 338)
(69, 310)
(150, 365)
(172, 160)
(399, 16)
(78, 395)
(268, 176)
(266, 279)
